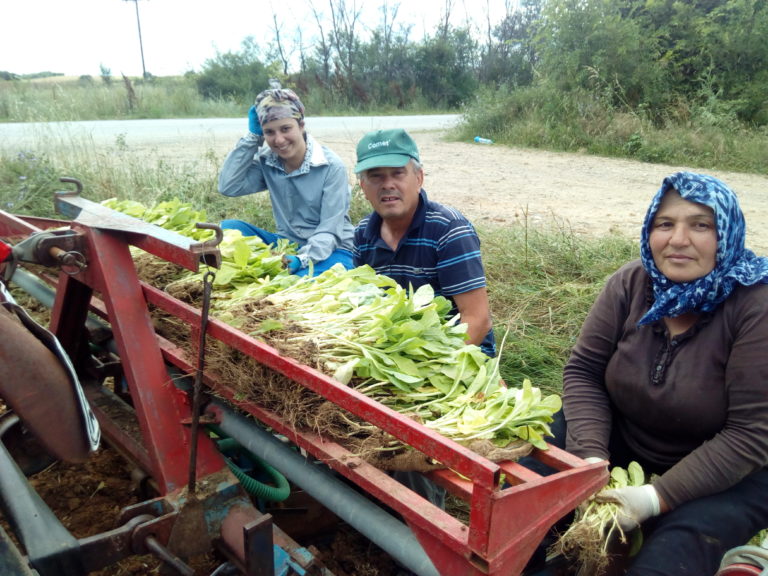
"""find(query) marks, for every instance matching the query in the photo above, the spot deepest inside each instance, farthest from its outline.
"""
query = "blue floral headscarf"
(734, 264)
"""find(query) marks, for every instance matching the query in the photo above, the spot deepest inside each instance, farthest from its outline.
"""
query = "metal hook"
(213, 242)
(209, 247)
(68, 180)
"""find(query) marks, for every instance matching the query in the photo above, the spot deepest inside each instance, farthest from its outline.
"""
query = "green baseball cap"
(385, 148)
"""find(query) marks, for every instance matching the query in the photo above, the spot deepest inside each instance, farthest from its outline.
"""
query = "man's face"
(393, 191)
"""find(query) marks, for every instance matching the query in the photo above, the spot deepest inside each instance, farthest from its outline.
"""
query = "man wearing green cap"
(416, 241)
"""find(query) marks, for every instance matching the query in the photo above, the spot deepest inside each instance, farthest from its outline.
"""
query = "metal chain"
(197, 391)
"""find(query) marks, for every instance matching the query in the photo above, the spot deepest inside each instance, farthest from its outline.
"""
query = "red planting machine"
(158, 421)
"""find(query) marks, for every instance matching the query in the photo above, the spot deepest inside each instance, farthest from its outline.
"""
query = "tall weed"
(26, 183)
(64, 99)
(542, 281)
(706, 135)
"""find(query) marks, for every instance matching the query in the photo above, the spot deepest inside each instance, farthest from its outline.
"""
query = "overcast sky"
(76, 37)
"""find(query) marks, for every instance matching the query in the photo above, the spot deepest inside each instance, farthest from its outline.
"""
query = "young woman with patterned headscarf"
(671, 371)
(308, 184)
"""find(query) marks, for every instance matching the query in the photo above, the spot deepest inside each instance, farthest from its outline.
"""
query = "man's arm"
(475, 313)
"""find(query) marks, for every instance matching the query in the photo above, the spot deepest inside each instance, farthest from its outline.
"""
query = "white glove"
(636, 504)
(594, 459)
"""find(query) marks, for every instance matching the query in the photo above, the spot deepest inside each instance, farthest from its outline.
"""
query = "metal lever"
(197, 391)
(68, 180)
(158, 550)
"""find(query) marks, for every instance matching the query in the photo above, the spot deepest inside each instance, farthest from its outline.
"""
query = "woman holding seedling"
(671, 371)
(307, 182)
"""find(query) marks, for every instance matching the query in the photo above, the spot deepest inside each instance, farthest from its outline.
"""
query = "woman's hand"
(636, 504)
(291, 263)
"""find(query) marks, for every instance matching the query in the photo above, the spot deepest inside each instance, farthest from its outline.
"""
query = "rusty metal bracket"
(63, 248)
(246, 536)
(209, 250)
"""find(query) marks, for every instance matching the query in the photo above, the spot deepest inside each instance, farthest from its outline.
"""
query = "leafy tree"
(602, 46)
(714, 53)
(733, 36)
(511, 60)
(237, 76)
(346, 43)
(657, 59)
(387, 67)
(446, 67)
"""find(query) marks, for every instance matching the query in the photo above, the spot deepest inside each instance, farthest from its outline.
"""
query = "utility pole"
(141, 45)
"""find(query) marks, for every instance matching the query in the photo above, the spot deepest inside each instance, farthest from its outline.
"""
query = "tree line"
(643, 56)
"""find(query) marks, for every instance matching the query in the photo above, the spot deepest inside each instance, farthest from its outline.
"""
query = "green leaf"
(636, 474)
(423, 296)
(268, 325)
(619, 477)
(471, 420)
(345, 372)
(241, 254)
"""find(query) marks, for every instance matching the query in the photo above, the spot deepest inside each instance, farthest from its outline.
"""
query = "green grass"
(542, 281)
(59, 99)
(690, 135)
(68, 99)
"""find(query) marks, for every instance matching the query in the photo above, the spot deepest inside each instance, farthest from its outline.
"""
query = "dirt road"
(491, 184)
(593, 195)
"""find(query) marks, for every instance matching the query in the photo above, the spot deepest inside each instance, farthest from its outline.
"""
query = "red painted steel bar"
(11, 226)
(438, 447)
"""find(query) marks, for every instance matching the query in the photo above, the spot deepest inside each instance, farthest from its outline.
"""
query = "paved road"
(228, 129)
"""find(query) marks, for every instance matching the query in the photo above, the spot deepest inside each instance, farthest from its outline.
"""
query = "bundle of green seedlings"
(397, 346)
(594, 538)
(244, 259)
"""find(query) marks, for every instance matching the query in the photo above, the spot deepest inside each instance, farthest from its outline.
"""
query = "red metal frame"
(112, 275)
(505, 524)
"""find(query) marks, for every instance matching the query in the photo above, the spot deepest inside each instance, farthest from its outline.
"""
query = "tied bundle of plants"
(400, 347)
(590, 540)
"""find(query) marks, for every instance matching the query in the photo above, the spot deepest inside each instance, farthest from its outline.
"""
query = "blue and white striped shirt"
(441, 248)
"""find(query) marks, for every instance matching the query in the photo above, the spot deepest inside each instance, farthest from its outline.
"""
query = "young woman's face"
(683, 238)
(286, 138)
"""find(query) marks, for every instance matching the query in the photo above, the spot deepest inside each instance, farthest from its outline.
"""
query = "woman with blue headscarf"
(671, 371)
